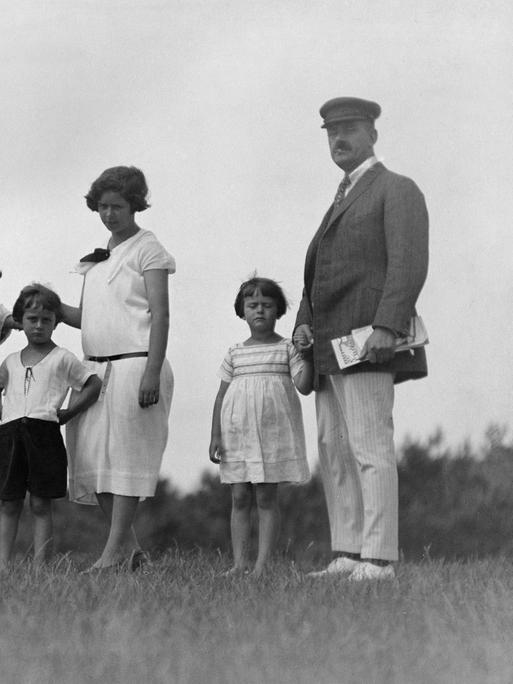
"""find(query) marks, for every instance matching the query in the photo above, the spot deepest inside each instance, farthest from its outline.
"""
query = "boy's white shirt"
(40, 392)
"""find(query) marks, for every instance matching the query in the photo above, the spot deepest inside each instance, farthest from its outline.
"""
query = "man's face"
(351, 142)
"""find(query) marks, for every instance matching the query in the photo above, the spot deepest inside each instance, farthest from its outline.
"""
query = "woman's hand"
(11, 324)
(149, 389)
(215, 450)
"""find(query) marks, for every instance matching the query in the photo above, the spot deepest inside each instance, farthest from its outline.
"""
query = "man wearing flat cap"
(365, 266)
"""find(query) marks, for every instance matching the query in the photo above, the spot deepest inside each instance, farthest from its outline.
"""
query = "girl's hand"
(149, 389)
(215, 450)
(303, 338)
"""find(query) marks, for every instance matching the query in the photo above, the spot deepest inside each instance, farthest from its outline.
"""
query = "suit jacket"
(366, 265)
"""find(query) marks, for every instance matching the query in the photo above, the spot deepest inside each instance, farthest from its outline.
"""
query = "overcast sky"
(217, 101)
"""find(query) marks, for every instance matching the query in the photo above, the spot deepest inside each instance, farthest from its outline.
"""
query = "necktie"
(341, 192)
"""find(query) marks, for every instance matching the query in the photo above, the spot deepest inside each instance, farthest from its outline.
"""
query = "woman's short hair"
(34, 296)
(267, 288)
(128, 181)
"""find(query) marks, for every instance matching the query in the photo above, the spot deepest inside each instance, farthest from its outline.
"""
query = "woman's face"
(115, 212)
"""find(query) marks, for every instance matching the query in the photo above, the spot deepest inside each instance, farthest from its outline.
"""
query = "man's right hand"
(303, 338)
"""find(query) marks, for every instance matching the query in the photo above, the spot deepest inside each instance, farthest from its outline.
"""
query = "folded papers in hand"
(349, 347)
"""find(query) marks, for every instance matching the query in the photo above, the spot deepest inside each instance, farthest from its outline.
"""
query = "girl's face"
(260, 312)
(38, 325)
(115, 213)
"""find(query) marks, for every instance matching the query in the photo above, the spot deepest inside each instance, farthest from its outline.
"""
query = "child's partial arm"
(304, 379)
(215, 450)
(87, 396)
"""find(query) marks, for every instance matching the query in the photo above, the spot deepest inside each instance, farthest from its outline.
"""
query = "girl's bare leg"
(43, 528)
(10, 512)
(120, 512)
(268, 523)
(241, 524)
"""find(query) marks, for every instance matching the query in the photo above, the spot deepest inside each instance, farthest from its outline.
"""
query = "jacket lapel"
(365, 181)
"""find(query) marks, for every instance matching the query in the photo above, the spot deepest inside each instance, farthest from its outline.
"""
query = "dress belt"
(116, 357)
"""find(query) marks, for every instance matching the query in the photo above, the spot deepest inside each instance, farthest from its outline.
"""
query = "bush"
(452, 505)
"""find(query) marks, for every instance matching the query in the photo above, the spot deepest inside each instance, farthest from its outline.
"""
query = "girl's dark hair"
(267, 287)
(36, 295)
(128, 181)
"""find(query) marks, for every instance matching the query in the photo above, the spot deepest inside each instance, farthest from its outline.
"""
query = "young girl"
(257, 426)
(32, 454)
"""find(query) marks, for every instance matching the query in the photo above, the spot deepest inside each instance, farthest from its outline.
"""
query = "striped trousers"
(358, 463)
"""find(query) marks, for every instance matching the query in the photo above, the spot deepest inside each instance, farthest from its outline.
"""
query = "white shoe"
(371, 571)
(338, 566)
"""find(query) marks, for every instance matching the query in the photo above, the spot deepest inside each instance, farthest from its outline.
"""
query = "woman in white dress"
(115, 448)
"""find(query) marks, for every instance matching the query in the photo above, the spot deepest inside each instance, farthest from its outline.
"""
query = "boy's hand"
(64, 415)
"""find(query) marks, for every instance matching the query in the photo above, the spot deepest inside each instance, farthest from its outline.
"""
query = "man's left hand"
(379, 348)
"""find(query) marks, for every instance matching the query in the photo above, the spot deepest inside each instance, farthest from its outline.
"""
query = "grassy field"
(181, 622)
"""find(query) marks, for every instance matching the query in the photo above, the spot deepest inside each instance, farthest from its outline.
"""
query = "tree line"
(453, 504)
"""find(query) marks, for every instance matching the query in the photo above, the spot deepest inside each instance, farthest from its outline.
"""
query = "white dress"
(116, 446)
(261, 420)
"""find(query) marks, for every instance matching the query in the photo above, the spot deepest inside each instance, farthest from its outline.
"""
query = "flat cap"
(348, 109)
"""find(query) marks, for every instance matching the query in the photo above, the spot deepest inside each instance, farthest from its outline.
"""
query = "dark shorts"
(32, 458)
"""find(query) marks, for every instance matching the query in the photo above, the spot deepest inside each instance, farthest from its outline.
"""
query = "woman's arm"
(155, 281)
(72, 315)
(7, 323)
(216, 447)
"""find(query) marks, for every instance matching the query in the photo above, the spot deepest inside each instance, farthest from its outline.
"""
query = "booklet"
(349, 347)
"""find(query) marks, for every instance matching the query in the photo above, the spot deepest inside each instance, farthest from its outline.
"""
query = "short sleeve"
(225, 372)
(74, 371)
(295, 361)
(152, 255)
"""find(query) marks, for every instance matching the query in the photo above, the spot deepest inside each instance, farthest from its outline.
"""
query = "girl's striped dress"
(261, 420)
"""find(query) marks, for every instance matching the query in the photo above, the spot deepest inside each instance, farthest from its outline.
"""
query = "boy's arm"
(216, 446)
(86, 397)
